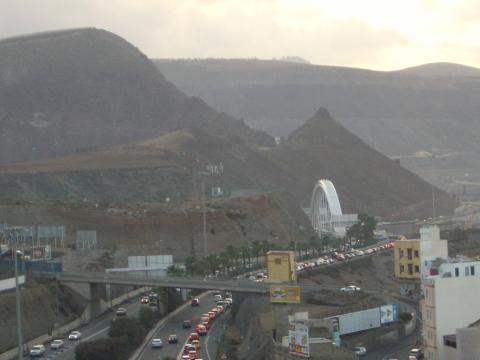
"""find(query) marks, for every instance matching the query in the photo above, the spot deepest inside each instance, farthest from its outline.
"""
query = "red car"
(212, 315)
(144, 300)
(193, 336)
(206, 324)
(201, 330)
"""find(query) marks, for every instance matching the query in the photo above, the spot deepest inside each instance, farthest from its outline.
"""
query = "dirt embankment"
(373, 273)
(141, 229)
(39, 310)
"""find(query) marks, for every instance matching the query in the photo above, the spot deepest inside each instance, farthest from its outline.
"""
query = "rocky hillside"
(426, 116)
(67, 91)
(168, 168)
(323, 148)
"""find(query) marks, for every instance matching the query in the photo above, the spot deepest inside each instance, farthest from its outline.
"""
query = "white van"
(217, 297)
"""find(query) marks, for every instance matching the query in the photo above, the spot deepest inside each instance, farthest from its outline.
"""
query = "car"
(187, 348)
(195, 302)
(217, 297)
(56, 344)
(187, 324)
(212, 315)
(196, 343)
(415, 354)
(201, 330)
(185, 357)
(193, 336)
(144, 300)
(75, 335)
(206, 324)
(360, 350)
(193, 354)
(121, 311)
(37, 350)
(157, 343)
(172, 339)
(350, 288)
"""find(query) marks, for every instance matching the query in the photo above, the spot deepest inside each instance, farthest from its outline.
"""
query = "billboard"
(388, 314)
(284, 294)
(298, 339)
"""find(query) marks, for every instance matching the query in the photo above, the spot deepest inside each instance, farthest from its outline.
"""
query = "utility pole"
(434, 211)
(17, 295)
(204, 218)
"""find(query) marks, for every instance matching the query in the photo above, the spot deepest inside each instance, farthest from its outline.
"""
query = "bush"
(102, 349)
(130, 328)
(148, 318)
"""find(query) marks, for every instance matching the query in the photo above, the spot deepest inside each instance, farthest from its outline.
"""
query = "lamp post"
(13, 235)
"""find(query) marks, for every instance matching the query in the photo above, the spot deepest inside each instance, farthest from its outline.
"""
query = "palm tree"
(191, 265)
(256, 249)
(232, 253)
(245, 253)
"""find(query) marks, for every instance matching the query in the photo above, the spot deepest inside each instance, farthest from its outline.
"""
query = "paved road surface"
(96, 329)
(174, 326)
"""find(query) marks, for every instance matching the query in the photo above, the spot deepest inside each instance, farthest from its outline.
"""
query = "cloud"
(372, 33)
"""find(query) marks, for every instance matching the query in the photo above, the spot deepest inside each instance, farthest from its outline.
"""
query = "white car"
(37, 350)
(75, 335)
(360, 350)
(121, 311)
(157, 343)
(56, 344)
(350, 288)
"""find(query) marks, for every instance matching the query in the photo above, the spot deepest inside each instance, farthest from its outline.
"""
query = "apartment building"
(451, 293)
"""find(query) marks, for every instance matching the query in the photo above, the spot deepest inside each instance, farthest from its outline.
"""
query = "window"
(278, 261)
(467, 271)
(416, 253)
(401, 253)
(409, 254)
(402, 268)
(417, 269)
(472, 270)
(410, 269)
(457, 272)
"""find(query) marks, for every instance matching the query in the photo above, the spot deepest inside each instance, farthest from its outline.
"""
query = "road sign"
(284, 294)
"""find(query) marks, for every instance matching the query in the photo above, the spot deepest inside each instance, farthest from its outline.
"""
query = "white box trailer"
(358, 321)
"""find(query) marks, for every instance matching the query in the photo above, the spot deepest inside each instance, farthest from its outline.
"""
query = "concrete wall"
(431, 248)
(9, 283)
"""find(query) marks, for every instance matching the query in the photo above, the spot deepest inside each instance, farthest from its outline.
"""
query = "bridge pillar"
(94, 307)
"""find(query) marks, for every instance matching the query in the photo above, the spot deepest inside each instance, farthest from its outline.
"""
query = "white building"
(464, 344)
(451, 301)
(431, 248)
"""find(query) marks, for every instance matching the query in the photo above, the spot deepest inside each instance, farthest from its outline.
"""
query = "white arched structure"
(325, 210)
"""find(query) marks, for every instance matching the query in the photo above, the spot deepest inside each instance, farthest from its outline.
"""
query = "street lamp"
(13, 234)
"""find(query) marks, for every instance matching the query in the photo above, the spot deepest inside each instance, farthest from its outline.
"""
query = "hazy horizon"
(373, 34)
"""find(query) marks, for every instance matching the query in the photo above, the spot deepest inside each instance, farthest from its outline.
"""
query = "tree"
(233, 253)
(102, 349)
(244, 253)
(174, 270)
(129, 328)
(191, 265)
(256, 249)
(147, 317)
(212, 263)
(363, 230)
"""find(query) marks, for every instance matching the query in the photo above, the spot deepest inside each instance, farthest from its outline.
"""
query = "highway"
(174, 326)
(96, 329)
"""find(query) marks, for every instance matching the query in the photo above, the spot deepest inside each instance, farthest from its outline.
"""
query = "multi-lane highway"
(174, 326)
(96, 329)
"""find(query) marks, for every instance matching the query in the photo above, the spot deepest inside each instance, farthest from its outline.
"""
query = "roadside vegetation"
(125, 335)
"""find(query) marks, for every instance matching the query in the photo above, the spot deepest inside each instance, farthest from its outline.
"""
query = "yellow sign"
(284, 294)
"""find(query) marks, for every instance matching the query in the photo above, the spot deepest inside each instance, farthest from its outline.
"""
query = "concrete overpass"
(99, 283)
(245, 286)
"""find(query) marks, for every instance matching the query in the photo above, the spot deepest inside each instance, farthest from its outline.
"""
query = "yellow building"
(407, 259)
(281, 266)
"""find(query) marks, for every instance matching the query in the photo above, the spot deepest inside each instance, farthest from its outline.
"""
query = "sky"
(374, 34)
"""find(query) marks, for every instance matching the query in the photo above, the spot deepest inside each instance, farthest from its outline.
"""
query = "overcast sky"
(376, 34)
